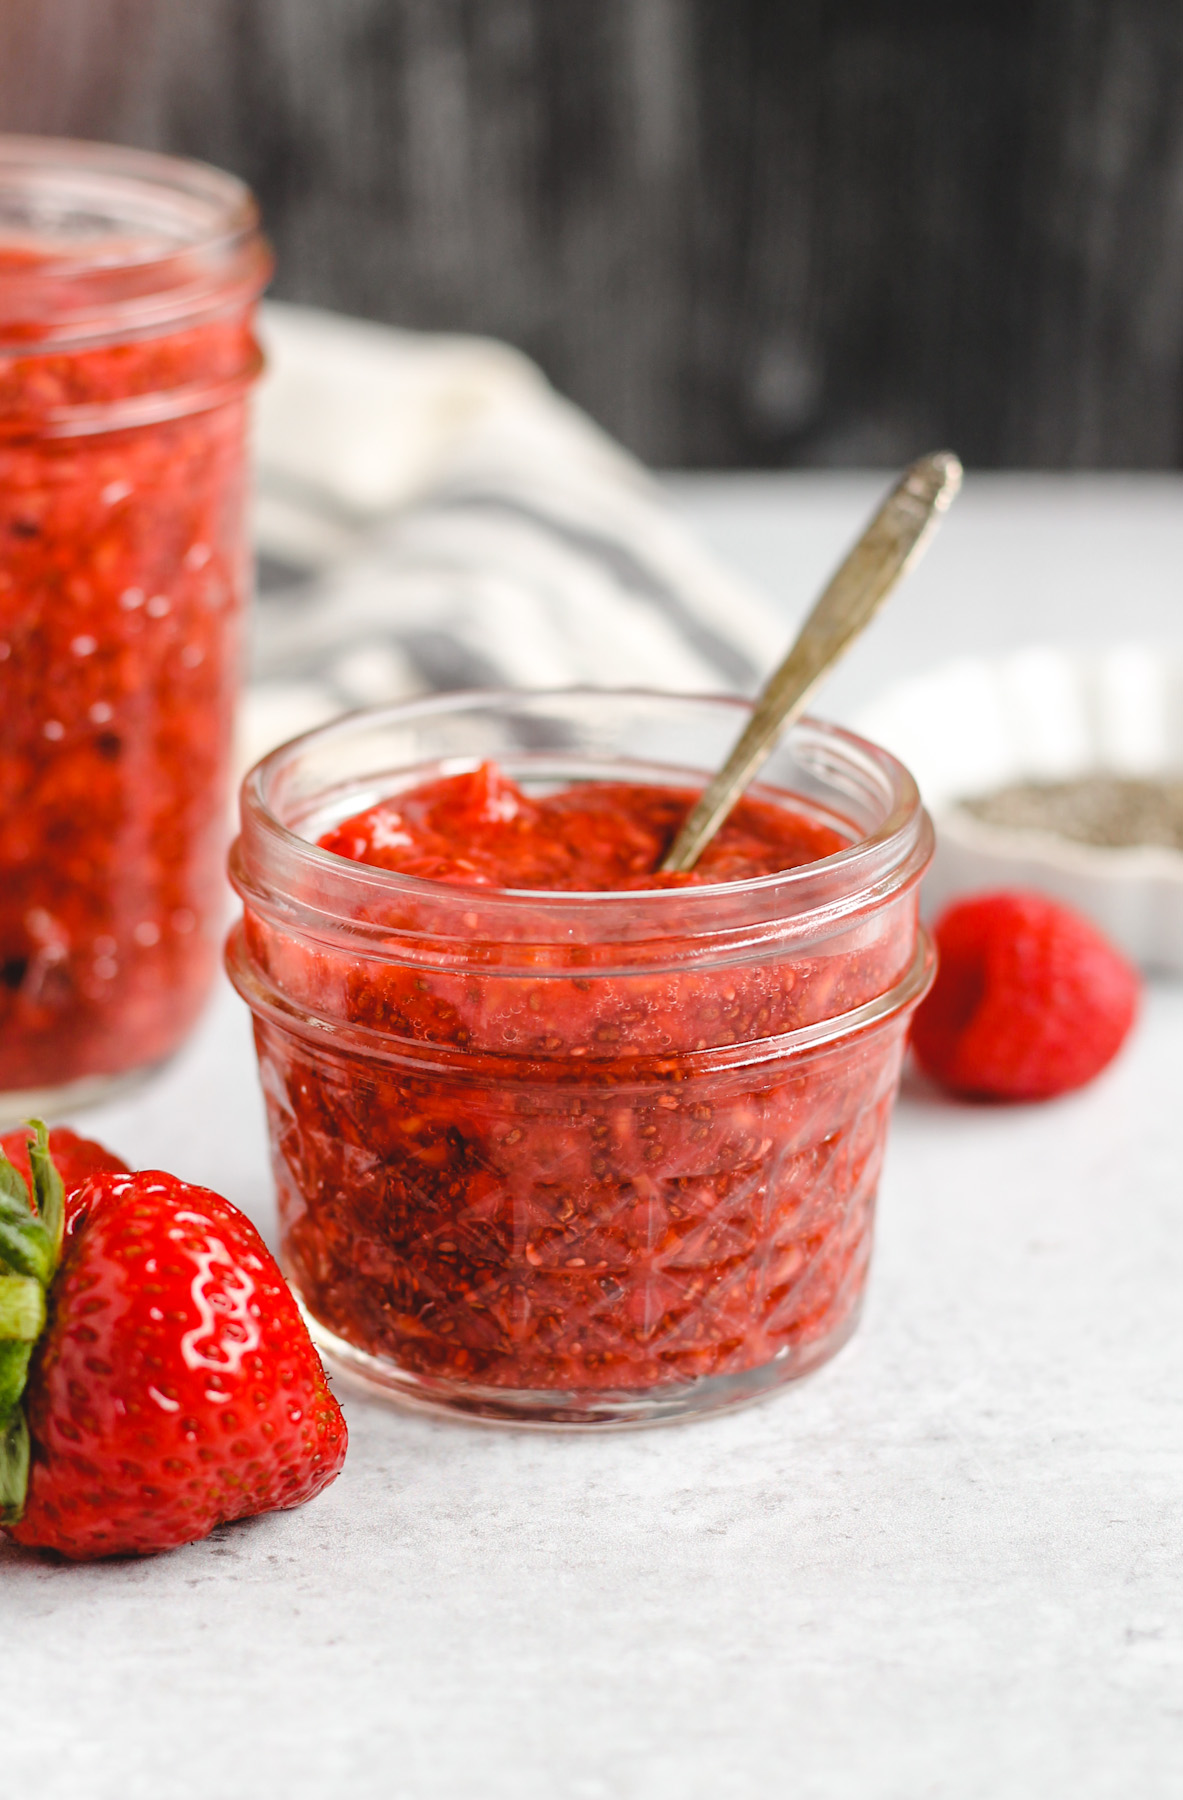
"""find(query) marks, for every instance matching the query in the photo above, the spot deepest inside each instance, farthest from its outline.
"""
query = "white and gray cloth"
(430, 514)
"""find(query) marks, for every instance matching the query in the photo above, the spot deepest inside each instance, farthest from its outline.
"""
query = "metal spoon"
(893, 542)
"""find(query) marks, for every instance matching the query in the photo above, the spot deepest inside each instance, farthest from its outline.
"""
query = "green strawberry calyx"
(30, 1250)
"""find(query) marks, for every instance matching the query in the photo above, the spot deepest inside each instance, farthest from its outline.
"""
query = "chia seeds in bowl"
(1111, 811)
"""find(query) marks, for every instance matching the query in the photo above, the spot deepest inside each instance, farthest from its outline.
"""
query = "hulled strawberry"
(156, 1378)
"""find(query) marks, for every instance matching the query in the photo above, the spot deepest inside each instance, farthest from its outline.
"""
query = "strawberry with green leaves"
(156, 1378)
(75, 1158)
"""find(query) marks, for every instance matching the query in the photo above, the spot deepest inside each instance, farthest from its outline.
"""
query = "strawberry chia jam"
(127, 290)
(557, 1138)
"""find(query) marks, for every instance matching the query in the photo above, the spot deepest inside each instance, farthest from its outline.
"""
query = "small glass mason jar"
(567, 1158)
(128, 285)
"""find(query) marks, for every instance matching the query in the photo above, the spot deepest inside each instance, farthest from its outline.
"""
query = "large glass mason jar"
(577, 1158)
(128, 285)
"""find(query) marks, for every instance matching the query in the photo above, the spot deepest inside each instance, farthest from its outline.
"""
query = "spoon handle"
(894, 540)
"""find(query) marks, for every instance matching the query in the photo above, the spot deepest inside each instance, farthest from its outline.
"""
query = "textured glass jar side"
(534, 1236)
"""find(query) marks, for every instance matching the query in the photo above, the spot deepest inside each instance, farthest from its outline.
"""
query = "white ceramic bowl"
(1046, 714)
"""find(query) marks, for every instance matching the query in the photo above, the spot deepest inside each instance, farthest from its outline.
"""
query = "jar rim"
(272, 862)
(106, 242)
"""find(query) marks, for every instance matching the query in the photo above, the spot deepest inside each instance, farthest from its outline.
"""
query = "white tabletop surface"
(947, 1567)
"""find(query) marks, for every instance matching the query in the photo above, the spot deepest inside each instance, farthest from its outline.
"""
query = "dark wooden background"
(738, 231)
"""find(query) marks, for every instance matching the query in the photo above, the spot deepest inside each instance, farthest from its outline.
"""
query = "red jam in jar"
(128, 286)
(480, 830)
(556, 1138)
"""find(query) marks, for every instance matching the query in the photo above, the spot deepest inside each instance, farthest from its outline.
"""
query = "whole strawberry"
(156, 1378)
(1029, 1001)
(75, 1158)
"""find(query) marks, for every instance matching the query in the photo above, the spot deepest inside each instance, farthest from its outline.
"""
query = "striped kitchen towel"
(430, 514)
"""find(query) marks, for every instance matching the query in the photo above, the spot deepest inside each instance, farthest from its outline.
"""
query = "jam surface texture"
(536, 1167)
(480, 829)
(123, 574)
